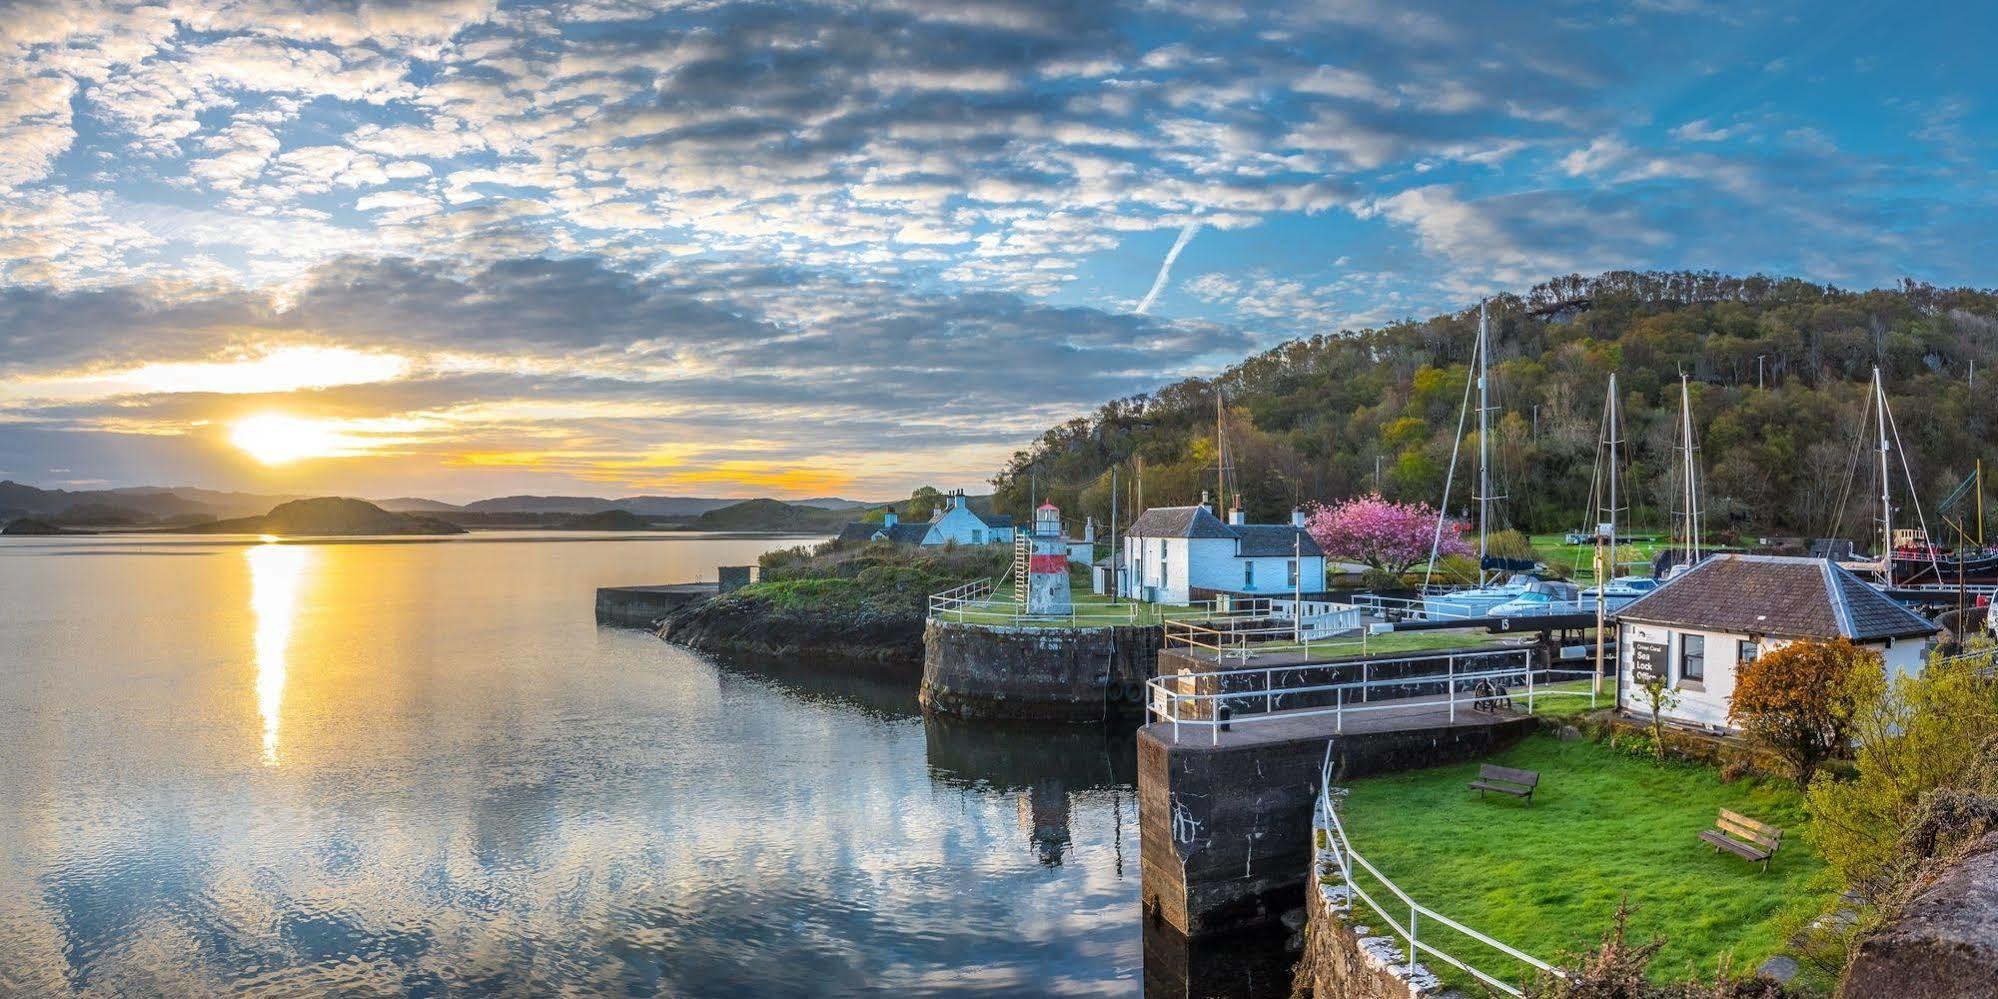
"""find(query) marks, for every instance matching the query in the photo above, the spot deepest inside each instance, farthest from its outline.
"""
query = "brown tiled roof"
(1775, 595)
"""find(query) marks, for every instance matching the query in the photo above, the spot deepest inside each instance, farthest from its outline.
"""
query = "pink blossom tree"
(1390, 537)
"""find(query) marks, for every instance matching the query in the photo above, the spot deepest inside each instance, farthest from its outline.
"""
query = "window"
(1745, 653)
(1692, 658)
(1165, 566)
(1293, 574)
(1248, 575)
(977, 536)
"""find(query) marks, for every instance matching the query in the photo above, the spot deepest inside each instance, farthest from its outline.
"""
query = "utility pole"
(1116, 560)
(1758, 369)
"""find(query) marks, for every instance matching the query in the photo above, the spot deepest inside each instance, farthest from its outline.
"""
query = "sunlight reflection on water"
(276, 573)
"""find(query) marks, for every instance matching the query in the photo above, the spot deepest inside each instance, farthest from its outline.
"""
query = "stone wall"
(1944, 945)
(1030, 673)
(1226, 831)
(1343, 957)
(645, 606)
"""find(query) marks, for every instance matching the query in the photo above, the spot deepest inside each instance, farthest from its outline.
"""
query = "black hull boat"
(1915, 568)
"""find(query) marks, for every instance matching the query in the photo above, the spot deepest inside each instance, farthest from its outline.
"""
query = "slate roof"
(1775, 595)
(1255, 540)
(997, 521)
(1178, 522)
(1265, 540)
(901, 534)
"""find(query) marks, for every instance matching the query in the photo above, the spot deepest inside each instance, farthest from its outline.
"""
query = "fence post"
(1363, 679)
(1450, 671)
(1411, 939)
(1529, 682)
(1339, 709)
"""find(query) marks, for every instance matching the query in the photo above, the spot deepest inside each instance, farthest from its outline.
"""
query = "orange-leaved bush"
(1798, 700)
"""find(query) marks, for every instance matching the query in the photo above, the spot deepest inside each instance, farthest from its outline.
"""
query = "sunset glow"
(276, 439)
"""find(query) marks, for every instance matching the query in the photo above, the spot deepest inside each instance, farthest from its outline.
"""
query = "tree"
(1389, 537)
(1798, 700)
(1660, 697)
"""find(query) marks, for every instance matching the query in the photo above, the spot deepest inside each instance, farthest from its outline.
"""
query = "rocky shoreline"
(741, 623)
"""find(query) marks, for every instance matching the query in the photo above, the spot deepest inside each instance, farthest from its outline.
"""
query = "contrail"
(1165, 269)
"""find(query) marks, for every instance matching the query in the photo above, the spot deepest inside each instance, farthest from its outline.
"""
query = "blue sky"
(462, 248)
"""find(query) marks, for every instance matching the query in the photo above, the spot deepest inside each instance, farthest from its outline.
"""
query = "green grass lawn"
(1603, 825)
(1581, 559)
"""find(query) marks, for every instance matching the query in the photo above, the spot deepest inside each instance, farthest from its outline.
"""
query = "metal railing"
(1409, 608)
(981, 602)
(1176, 698)
(1410, 930)
(976, 591)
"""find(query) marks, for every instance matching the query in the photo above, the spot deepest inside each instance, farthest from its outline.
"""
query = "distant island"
(327, 516)
(183, 509)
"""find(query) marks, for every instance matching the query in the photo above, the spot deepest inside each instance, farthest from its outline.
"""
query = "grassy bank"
(1602, 826)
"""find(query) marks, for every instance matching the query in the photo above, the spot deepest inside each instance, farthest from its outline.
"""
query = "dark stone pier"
(1226, 818)
(644, 606)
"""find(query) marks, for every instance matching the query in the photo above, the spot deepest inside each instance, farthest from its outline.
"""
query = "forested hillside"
(1314, 419)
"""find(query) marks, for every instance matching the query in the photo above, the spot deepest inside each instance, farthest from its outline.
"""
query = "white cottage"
(956, 522)
(1699, 627)
(1178, 554)
(953, 522)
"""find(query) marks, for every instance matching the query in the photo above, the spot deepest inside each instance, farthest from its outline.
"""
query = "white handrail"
(1346, 856)
(1166, 702)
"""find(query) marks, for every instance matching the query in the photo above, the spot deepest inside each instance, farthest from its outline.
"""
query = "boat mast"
(1606, 564)
(1484, 438)
(1692, 490)
(1886, 499)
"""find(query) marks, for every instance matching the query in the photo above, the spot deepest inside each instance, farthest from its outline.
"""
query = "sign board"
(1649, 661)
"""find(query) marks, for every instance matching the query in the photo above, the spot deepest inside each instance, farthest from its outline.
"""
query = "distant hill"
(834, 503)
(609, 520)
(142, 505)
(416, 504)
(771, 515)
(328, 516)
(30, 527)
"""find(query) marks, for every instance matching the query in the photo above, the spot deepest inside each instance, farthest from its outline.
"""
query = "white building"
(953, 522)
(1178, 554)
(1699, 627)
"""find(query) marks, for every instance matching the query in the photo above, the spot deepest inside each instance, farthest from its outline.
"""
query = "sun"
(276, 439)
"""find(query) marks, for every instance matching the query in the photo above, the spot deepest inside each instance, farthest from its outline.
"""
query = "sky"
(461, 248)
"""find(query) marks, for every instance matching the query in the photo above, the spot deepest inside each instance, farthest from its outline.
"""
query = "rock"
(1779, 969)
(1570, 733)
(1943, 945)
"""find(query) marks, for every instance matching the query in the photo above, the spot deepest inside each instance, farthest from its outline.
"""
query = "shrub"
(1914, 734)
(1798, 700)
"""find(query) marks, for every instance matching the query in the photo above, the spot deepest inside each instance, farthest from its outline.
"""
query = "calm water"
(420, 768)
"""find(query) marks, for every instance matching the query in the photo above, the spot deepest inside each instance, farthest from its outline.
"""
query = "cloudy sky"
(460, 248)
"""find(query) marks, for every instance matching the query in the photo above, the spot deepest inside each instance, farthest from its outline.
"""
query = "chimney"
(1205, 503)
(1297, 516)
(1089, 530)
(888, 519)
(1235, 515)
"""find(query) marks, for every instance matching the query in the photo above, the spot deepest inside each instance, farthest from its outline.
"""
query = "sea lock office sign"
(1647, 661)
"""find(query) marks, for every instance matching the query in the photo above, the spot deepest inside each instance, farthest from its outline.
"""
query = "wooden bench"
(1506, 780)
(1740, 835)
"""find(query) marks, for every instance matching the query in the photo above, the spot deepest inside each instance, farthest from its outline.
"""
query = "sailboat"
(1490, 592)
(1686, 553)
(1604, 486)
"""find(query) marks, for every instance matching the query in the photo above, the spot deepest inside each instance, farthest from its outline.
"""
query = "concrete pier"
(643, 606)
(1225, 818)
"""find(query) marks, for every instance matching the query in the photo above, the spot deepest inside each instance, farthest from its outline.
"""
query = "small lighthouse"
(1047, 565)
